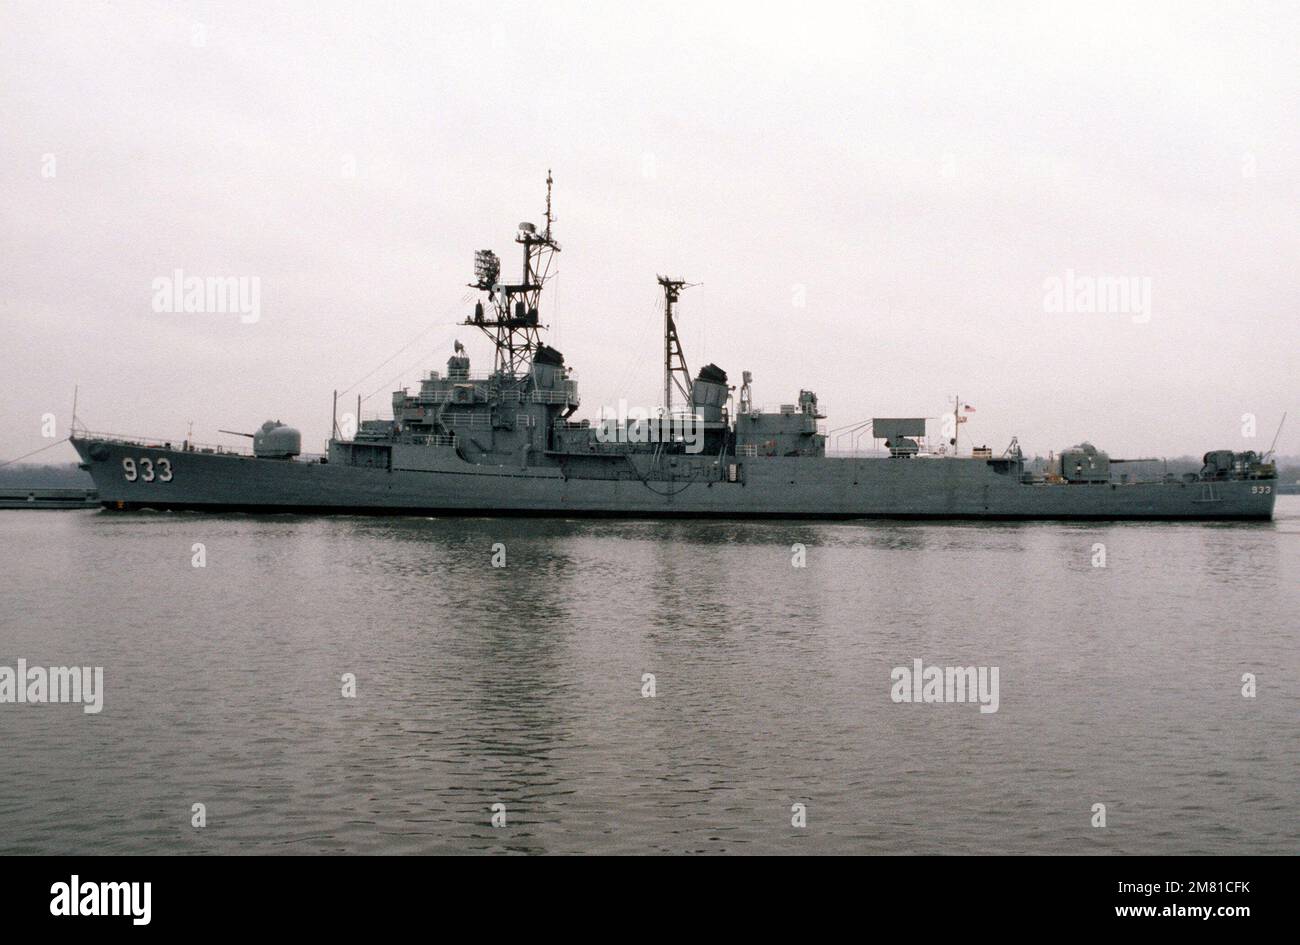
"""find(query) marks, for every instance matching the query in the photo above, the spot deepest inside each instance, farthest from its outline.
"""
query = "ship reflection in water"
(522, 685)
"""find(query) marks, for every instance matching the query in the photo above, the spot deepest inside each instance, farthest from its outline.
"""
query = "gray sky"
(915, 176)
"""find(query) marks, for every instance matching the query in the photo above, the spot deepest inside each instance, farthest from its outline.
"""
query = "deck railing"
(185, 446)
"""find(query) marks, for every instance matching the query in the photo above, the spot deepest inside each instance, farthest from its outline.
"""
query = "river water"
(525, 685)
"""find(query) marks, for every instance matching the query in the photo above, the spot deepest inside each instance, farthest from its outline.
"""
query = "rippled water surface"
(522, 685)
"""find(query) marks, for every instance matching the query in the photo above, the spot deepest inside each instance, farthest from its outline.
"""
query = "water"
(522, 686)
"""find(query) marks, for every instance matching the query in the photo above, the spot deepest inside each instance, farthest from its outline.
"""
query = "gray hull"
(424, 480)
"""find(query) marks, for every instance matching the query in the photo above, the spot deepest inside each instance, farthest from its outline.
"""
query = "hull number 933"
(147, 470)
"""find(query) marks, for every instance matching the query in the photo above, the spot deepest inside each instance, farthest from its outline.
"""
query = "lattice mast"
(676, 374)
(513, 324)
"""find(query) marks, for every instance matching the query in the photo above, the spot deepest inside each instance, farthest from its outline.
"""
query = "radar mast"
(676, 373)
(513, 323)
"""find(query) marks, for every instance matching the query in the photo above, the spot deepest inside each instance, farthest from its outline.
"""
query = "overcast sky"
(876, 200)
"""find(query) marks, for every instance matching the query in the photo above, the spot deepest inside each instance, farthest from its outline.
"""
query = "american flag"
(968, 408)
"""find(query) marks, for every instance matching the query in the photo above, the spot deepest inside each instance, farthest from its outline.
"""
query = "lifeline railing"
(184, 446)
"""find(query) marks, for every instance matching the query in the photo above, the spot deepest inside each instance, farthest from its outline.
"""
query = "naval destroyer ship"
(508, 443)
